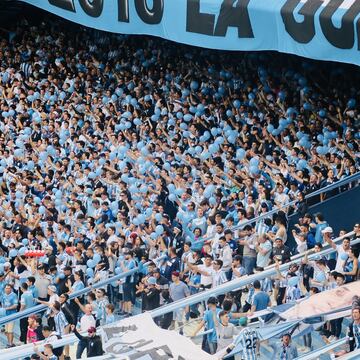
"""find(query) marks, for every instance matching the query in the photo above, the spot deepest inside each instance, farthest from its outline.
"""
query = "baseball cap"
(175, 273)
(92, 329)
(328, 229)
(7, 264)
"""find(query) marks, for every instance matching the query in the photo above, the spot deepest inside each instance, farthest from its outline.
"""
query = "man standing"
(26, 302)
(92, 341)
(86, 322)
(9, 302)
(178, 290)
(61, 324)
(249, 252)
(261, 299)
(285, 350)
(210, 321)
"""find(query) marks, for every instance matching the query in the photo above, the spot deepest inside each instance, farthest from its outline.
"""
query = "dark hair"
(222, 313)
(320, 216)
(227, 304)
(57, 306)
(212, 300)
(24, 286)
(257, 284)
(31, 279)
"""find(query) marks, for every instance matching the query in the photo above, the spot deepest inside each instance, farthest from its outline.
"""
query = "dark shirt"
(93, 344)
(283, 251)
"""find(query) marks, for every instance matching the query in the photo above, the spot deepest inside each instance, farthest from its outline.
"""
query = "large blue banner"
(319, 29)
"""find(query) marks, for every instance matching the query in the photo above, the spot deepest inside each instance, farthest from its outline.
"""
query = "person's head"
(279, 242)
(48, 350)
(88, 309)
(217, 264)
(100, 293)
(31, 280)
(41, 269)
(67, 271)
(346, 244)
(319, 217)
(257, 285)
(187, 246)
(353, 253)
(313, 290)
(24, 287)
(318, 247)
(46, 331)
(56, 306)
(51, 290)
(222, 242)
(356, 314)
(91, 331)
(109, 309)
(224, 317)
(32, 321)
(8, 289)
(286, 339)
(175, 276)
(340, 279)
(237, 260)
(63, 298)
(208, 260)
(211, 303)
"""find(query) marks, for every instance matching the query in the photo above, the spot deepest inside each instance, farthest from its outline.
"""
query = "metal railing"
(238, 283)
(26, 350)
(39, 308)
(316, 353)
(328, 188)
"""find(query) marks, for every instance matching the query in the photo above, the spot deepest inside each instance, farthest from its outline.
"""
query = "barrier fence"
(39, 308)
(26, 350)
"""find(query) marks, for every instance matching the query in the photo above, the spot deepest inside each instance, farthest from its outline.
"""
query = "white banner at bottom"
(139, 338)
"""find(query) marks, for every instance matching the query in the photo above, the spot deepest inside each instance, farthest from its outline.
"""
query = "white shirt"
(87, 321)
(206, 279)
(339, 262)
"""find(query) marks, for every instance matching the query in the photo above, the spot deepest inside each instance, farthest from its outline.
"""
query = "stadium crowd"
(116, 151)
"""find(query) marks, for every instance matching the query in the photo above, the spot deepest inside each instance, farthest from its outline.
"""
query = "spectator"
(61, 324)
(26, 302)
(285, 350)
(178, 290)
(261, 300)
(92, 341)
(225, 332)
(210, 321)
(9, 302)
(86, 322)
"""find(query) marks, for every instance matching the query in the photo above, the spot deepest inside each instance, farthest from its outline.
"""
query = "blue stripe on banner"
(311, 28)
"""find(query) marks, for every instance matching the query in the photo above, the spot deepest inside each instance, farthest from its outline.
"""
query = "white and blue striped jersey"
(356, 332)
(247, 340)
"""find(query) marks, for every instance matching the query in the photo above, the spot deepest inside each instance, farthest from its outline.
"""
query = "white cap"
(328, 229)
(7, 264)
